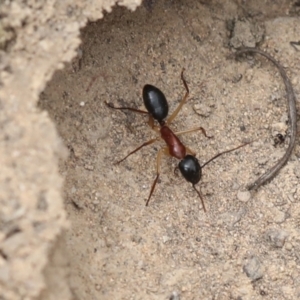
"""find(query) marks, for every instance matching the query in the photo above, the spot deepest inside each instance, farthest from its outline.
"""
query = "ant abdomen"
(155, 102)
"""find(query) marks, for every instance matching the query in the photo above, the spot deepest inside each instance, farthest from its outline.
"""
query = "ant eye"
(190, 169)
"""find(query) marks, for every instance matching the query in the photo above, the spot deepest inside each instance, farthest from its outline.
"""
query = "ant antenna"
(224, 152)
(200, 196)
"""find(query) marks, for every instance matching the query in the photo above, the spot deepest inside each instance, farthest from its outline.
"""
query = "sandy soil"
(245, 246)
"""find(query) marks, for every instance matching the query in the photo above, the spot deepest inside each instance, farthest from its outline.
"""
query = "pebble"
(278, 216)
(249, 75)
(277, 237)
(202, 110)
(89, 167)
(253, 268)
(237, 77)
(13, 243)
(244, 196)
(279, 127)
(262, 160)
(243, 35)
(141, 264)
(288, 246)
(165, 238)
(78, 202)
(78, 151)
(274, 97)
(295, 81)
(235, 186)
(175, 296)
(230, 219)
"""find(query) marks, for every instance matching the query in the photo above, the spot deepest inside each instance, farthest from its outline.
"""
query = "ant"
(158, 109)
(278, 139)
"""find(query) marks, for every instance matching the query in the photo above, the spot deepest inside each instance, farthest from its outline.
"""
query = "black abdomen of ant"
(155, 102)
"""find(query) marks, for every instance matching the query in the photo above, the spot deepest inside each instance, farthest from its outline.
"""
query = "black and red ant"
(158, 109)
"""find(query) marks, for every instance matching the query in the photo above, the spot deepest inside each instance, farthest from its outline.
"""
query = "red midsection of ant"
(176, 148)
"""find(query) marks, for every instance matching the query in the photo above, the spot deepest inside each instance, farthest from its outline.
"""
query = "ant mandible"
(158, 109)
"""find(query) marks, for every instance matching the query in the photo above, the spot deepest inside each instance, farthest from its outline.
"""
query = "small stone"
(244, 196)
(78, 202)
(89, 167)
(235, 186)
(288, 246)
(78, 151)
(278, 216)
(284, 119)
(295, 81)
(242, 34)
(136, 239)
(141, 264)
(202, 110)
(175, 296)
(262, 160)
(279, 127)
(13, 243)
(277, 237)
(253, 268)
(274, 97)
(82, 103)
(237, 77)
(165, 239)
(249, 75)
(230, 219)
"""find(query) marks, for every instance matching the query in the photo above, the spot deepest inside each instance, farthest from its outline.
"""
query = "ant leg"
(137, 149)
(192, 130)
(201, 198)
(190, 151)
(175, 113)
(127, 108)
(158, 159)
(150, 122)
(224, 152)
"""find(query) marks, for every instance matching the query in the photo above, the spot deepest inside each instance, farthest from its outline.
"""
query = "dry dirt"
(247, 246)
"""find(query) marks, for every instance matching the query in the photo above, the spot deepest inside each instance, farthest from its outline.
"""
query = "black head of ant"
(191, 169)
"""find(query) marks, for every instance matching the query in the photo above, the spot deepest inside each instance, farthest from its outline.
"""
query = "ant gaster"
(158, 109)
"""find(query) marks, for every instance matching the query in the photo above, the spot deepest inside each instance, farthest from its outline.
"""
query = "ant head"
(190, 169)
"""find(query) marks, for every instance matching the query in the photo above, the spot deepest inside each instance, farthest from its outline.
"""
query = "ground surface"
(241, 248)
